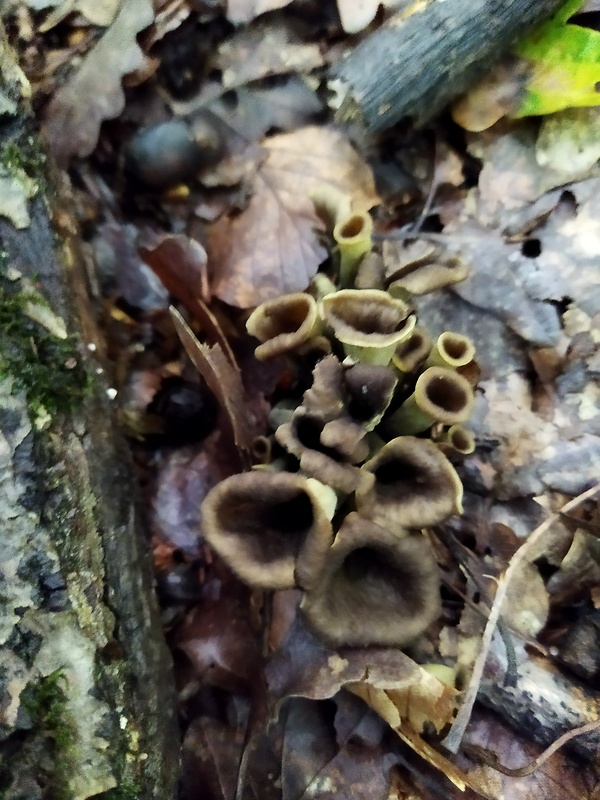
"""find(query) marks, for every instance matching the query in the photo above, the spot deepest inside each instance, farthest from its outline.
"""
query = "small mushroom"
(451, 350)
(283, 324)
(369, 323)
(441, 395)
(302, 438)
(350, 401)
(412, 485)
(411, 352)
(456, 439)
(353, 235)
(371, 587)
(258, 521)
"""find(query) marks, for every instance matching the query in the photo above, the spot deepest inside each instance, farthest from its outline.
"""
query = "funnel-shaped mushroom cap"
(373, 588)
(413, 485)
(258, 521)
(283, 324)
(456, 439)
(441, 395)
(451, 350)
(412, 351)
(368, 322)
(350, 401)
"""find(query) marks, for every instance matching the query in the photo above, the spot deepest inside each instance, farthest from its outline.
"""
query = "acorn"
(167, 153)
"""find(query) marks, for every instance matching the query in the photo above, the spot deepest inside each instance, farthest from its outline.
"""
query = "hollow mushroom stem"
(353, 235)
(441, 395)
(258, 521)
(372, 587)
(451, 350)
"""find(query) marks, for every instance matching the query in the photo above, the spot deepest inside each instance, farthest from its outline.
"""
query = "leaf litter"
(267, 710)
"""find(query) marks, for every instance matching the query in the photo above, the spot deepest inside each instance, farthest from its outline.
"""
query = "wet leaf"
(182, 483)
(272, 247)
(94, 92)
(219, 639)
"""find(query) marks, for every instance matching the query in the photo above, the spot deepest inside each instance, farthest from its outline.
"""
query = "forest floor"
(204, 153)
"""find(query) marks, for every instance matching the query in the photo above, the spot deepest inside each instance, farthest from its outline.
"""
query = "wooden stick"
(427, 55)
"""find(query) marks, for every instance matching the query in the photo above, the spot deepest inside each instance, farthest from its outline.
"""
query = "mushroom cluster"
(360, 458)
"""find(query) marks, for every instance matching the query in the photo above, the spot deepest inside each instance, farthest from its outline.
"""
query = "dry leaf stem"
(454, 738)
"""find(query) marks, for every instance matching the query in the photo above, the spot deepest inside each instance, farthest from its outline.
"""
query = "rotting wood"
(87, 702)
(426, 56)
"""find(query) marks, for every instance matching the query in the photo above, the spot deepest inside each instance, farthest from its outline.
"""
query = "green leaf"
(564, 65)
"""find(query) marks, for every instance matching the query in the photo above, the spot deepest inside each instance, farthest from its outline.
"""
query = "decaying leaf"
(247, 10)
(94, 93)
(180, 263)
(222, 379)
(271, 247)
(570, 140)
(556, 66)
(266, 48)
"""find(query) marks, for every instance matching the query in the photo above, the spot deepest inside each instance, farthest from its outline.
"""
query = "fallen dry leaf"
(272, 247)
(267, 48)
(94, 92)
(247, 10)
(182, 483)
(222, 378)
(355, 15)
(180, 263)
(98, 13)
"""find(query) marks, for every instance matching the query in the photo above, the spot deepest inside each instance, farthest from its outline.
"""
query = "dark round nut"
(167, 153)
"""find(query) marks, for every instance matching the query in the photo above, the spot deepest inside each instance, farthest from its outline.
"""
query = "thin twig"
(454, 738)
(491, 759)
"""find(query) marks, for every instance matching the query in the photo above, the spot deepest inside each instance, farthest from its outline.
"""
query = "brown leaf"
(303, 667)
(270, 47)
(218, 637)
(181, 485)
(221, 378)
(211, 749)
(272, 247)
(94, 92)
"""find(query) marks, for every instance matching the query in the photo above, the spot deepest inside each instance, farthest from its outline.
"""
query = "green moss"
(46, 702)
(45, 367)
(25, 158)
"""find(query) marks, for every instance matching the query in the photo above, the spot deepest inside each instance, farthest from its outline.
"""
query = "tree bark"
(87, 703)
(416, 64)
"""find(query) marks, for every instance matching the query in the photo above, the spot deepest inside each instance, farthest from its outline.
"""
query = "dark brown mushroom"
(372, 587)
(258, 521)
(412, 485)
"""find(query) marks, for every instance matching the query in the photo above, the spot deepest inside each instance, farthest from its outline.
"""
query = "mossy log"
(424, 57)
(86, 694)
